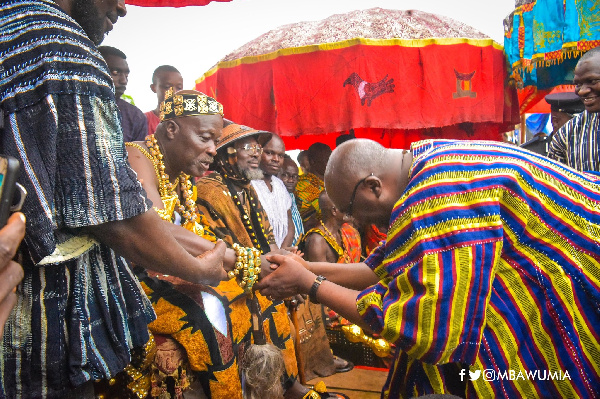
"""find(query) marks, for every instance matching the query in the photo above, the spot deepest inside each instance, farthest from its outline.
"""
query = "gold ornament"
(187, 104)
(381, 347)
(167, 190)
(247, 266)
(355, 334)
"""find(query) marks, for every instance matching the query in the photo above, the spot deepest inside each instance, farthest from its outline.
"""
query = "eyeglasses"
(361, 181)
(253, 149)
(286, 176)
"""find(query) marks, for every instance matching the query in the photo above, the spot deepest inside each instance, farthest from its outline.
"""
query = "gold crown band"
(186, 104)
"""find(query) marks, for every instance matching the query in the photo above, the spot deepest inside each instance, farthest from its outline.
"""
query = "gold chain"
(339, 248)
(188, 210)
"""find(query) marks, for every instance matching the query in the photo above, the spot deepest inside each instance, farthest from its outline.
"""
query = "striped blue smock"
(80, 308)
(577, 143)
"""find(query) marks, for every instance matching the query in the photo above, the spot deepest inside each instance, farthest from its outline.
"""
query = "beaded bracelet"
(247, 265)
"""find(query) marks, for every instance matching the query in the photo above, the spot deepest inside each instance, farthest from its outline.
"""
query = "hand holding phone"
(9, 171)
(12, 194)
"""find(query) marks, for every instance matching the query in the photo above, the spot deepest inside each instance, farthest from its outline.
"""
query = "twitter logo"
(474, 375)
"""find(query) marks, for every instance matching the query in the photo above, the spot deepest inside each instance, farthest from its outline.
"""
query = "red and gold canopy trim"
(346, 44)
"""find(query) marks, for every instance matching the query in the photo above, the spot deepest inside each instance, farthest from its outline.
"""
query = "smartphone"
(9, 171)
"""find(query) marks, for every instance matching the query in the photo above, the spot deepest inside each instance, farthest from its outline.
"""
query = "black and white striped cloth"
(81, 311)
(577, 143)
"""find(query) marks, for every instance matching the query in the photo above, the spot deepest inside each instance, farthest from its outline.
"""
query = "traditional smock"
(492, 260)
(80, 309)
(577, 143)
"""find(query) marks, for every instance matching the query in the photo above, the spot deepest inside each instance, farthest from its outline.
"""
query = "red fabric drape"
(305, 95)
(170, 3)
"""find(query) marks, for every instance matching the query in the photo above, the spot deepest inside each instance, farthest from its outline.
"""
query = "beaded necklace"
(260, 242)
(188, 210)
(167, 190)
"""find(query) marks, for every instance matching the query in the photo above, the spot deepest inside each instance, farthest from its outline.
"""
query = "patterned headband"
(186, 104)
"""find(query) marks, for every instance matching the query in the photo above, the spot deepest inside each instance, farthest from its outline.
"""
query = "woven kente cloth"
(308, 189)
(81, 312)
(209, 356)
(224, 219)
(577, 143)
(492, 260)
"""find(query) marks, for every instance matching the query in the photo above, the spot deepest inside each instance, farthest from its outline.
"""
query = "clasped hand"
(288, 276)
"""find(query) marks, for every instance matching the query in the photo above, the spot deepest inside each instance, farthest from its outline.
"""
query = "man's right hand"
(11, 273)
(212, 261)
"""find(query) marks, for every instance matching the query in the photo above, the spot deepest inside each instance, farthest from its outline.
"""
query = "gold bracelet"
(247, 265)
(240, 253)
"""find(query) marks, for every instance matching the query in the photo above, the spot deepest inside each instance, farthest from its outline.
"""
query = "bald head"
(593, 53)
(354, 160)
(365, 180)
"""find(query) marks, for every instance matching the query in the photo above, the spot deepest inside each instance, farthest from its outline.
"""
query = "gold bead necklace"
(188, 210)
(338, 248)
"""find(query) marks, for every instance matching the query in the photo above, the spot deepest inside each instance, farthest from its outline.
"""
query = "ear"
(375, 185)
(334, 211)
(171, 129)
(153, 87)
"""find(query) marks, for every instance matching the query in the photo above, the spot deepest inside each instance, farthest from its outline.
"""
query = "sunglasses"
(253, 149)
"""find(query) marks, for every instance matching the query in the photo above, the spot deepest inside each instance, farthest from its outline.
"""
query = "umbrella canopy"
(170, 3)
(544, 39)
(391, 75)
(533, 100)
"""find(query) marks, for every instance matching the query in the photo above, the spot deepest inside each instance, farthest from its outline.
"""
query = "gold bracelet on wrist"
(247, 266)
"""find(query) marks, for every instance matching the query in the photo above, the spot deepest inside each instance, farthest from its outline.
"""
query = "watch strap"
(312, 294)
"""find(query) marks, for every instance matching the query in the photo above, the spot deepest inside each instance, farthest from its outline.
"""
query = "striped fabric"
(492, 261)
(297, 219)
(81, 312)
(577, 143)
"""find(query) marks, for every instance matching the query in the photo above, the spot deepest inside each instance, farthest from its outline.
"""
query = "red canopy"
(170, 3)
(390, 75)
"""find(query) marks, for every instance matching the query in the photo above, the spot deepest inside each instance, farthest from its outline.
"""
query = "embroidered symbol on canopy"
(463, 85)
(367, 92)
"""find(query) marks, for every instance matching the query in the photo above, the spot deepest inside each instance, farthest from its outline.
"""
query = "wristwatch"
(312, 294)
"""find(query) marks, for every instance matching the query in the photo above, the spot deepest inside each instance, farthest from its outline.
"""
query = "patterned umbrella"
(391, 75)
(170, 3)
(544, 39)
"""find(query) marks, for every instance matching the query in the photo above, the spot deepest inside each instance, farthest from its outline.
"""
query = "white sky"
(193, 39)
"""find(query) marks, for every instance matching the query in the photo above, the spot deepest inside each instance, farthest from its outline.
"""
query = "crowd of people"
(178, 254)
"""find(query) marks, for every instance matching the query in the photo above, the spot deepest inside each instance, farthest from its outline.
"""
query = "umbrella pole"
(523, 134)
